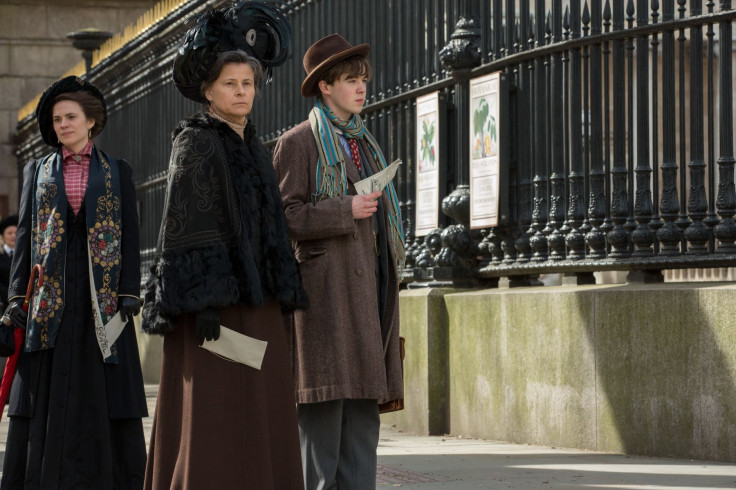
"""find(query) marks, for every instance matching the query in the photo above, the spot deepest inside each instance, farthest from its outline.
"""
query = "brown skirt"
(220, 424)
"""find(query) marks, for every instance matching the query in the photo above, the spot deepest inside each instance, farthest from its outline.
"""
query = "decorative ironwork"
(603, 171)
(462, 52)
(595, 238)
(643, 235)
(697, 233)
(725, 231)
(669, 235)
(459, 252)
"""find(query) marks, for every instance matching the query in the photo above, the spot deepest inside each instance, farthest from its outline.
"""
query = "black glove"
(129, 307)
(16, 315)
(207, 324)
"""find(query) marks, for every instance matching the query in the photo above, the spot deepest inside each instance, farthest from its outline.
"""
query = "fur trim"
(260, 264)
(187, 281)
(279, 272)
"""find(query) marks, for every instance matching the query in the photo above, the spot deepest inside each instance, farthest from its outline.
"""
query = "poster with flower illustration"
(428, 164)
(484, 150)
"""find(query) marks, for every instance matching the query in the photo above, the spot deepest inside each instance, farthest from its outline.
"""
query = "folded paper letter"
(237, 347)
(379, 181)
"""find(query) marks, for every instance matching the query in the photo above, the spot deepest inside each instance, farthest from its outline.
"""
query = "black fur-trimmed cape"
(223, 237)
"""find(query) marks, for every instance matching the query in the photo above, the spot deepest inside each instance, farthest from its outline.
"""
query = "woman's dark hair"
(239, 57)
(91, 106)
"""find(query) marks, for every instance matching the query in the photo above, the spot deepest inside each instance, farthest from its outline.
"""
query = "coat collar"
(206, 121)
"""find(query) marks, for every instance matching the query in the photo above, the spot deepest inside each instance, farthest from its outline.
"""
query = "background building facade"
(34, 52)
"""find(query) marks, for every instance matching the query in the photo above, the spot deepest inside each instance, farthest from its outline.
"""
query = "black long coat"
(4, 281)
(4, 276)
(75, 422)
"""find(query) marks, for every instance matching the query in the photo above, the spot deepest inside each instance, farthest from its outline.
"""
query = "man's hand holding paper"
(365, 205)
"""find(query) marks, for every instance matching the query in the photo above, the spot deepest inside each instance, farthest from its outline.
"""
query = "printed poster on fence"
(428, 164)
(485, 93)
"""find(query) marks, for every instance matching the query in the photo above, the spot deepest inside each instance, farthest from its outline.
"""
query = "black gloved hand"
(129, 307)
(15, 314)
(207, 324)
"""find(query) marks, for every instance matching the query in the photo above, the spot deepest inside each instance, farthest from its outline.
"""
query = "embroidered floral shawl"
(49, 246)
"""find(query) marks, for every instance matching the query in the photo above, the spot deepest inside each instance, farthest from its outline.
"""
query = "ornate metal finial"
(463, 52)
(457, 258)
(607, 15)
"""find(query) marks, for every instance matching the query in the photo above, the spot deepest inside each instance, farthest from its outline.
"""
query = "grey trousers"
(339, 440)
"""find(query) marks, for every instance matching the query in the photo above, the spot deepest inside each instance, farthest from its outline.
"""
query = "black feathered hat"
(260, 28)
(11, 220)
(45, 107)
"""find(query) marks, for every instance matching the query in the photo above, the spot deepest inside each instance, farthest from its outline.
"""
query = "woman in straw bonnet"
(224, 260)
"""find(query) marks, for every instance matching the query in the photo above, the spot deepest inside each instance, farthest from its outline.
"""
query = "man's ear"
(324, 87)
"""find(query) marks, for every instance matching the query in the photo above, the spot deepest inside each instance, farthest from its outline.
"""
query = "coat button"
(359, 272)
(355, 235)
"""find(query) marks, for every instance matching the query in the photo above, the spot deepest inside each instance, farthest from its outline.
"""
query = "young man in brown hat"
(350, 249)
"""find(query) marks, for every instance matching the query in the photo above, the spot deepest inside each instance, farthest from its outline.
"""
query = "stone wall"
(636, 369)
(34, 51)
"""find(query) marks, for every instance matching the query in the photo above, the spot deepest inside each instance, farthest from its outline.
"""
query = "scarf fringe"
(331, 177)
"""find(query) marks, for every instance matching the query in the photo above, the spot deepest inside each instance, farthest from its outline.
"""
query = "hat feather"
(260, 28)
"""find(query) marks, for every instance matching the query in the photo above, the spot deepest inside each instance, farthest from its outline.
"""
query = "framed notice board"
(488, 151)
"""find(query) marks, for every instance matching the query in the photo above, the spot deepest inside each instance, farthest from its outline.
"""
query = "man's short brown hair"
(352, 67)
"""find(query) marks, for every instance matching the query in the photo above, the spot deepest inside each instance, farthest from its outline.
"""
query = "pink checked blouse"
(76, 172)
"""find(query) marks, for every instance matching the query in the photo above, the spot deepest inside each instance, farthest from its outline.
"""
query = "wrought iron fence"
(620, 126)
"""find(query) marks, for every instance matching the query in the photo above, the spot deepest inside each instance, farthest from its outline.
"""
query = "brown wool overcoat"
(337, 347)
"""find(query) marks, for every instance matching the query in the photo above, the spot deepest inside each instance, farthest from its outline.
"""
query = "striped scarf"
(331, 178)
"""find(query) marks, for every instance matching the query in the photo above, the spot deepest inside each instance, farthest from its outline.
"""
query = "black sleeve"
(130, 275)
(20, 270)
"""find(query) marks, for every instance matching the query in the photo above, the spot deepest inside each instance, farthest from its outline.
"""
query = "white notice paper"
(378, 182)
(237, 347)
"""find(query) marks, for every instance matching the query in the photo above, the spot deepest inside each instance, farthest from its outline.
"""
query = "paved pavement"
(460, 464)
(412, 462)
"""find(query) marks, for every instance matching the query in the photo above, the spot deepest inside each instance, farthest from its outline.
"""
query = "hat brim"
(309, 85)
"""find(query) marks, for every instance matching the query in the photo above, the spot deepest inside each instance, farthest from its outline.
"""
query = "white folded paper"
(377, 182)
(237, 347)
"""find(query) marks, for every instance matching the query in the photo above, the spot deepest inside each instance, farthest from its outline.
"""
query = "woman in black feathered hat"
(225, 265)
(77, 397)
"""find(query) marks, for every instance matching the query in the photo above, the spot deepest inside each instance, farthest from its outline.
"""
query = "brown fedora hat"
(324, 54)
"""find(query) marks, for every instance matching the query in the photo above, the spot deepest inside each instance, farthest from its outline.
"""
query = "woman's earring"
(89, 134)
